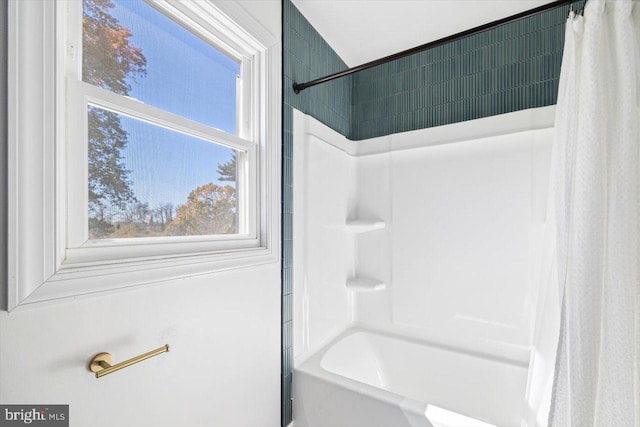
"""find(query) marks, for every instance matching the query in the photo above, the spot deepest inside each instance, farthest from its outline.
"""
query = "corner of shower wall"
(305, 55)
(374, 250)
(341, 234)
(323, 198)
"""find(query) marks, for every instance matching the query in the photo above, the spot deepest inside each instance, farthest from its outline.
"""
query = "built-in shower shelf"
(364, 225)
(365, 284)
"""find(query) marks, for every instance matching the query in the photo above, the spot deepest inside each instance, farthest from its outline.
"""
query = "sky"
(166, 165)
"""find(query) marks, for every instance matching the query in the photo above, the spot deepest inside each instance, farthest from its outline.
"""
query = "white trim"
(31, 137)
(84, 93)
(90, 279)
(39, 267)
(80, 95)
(250, 25)
(503, 124)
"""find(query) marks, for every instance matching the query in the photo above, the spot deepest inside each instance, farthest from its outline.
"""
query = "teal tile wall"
(305, 56)
(512, 67)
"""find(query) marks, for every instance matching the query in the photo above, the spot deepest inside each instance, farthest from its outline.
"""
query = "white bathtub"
(366, 379)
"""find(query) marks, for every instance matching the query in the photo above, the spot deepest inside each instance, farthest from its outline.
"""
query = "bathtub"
(369, 379)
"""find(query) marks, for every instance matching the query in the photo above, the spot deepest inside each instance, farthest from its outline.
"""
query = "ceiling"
(364, 30)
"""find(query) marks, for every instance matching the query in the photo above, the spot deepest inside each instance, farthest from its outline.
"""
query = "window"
(143, 147)
(146, 180)
(161, 182)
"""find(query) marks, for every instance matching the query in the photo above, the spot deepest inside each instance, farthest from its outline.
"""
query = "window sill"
(72, 280)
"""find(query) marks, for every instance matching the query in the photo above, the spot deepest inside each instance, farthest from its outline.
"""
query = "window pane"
(148, 181)
(132, 49)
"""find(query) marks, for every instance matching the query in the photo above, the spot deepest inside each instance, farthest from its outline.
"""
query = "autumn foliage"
(112, 62)
(109, 60)
(210, 209)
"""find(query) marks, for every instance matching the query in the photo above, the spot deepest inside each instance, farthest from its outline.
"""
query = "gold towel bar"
(101, 363)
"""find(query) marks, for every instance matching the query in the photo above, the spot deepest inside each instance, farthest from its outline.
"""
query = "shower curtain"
(596, 169)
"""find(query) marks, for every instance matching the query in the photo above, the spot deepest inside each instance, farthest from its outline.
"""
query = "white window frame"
(50, 257)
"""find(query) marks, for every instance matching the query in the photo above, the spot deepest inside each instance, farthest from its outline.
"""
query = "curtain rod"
(298, 87)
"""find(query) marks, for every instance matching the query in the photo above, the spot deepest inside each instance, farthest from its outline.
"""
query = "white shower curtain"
(596, 172)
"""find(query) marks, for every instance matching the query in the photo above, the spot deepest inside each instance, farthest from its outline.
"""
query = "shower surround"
(416, 274)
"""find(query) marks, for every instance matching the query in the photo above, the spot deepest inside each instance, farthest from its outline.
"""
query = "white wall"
(463, 240)
(223, 368)
(224, 331)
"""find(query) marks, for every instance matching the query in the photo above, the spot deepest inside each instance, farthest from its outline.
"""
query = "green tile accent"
(307, 56)
(287, 385)
(287, 281)
(506, 69)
